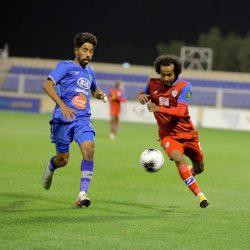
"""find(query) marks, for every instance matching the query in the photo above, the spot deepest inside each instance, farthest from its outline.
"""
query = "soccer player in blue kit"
(69, 85)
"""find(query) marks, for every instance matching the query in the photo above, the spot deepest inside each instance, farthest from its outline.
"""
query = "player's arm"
(113, 96)
(49, 88)
(95, 90)
(122, 97)
(182, 104)
(144, 96)
(180, 110)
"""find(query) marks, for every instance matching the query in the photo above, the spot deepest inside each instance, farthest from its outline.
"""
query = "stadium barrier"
(216, 102)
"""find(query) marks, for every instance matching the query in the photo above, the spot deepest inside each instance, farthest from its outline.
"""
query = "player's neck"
(78, 63)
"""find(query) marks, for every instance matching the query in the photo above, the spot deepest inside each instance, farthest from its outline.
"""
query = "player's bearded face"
(167, 74)
(84, 53)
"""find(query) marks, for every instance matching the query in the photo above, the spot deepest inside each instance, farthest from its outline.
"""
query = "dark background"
(126, 30)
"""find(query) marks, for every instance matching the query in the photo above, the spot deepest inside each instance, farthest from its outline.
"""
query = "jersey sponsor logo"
(80, 101)
(163, 101)
(84, 83)
(85, 92)
(174, 93)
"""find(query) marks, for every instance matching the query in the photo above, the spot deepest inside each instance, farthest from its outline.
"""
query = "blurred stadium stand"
(205, 92)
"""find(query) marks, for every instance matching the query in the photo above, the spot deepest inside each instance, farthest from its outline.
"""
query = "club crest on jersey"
(83, 83)
(167, 144)
(189, 94)
(174, 93)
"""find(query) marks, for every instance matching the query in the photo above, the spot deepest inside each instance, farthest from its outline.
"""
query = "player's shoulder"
(156, 81)
(65, 64)
(90, 70)
(180, 84)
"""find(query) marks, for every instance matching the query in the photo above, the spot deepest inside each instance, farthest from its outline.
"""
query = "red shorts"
(114, 112)
(191, 148)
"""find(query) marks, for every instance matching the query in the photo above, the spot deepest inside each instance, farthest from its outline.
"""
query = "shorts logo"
(174, 93)
(167, 144)
(83, 83)
(80, 101)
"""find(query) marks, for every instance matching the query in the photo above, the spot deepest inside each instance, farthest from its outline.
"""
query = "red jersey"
(116, 96)
(173, 118)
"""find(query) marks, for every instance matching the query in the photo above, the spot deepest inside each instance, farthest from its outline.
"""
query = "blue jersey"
(73, 85)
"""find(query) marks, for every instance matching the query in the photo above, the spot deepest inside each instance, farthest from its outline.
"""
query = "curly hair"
(166, 60)
(82, 38)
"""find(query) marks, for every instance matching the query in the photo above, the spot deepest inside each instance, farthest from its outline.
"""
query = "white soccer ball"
(151, 160)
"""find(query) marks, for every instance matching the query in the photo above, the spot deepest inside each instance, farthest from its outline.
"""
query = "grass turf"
(131, 209)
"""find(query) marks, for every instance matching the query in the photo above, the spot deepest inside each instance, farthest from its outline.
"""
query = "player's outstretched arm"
(51, 92)
(180, 110)
(143, 98)
(99, 94)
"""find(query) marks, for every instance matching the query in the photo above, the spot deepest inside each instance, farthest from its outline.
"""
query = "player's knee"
(177, 156)
(200, 169)
(88, 153)
(62, 162)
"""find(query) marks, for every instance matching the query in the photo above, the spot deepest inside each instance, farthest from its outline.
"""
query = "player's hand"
(144, 98)
(101, 95)
(153, 107)
(67, 112)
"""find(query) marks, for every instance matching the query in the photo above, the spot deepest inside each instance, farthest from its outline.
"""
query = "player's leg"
(58, 161)
(197, 167)
(60, 136)
(86, 144)
(193, 150)
(175, 151)
(114, 126)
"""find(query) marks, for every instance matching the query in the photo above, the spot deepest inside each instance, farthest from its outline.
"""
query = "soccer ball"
(151, 160)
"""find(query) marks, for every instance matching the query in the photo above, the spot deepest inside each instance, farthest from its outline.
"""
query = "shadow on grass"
(17, 202)
(110, 209)
(152, 207)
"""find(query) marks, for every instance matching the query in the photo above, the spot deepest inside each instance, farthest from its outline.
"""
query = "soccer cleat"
(82, 200)
(202, 200)
(47, 177)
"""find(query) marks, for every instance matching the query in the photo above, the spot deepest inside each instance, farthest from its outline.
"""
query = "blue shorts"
(62, 134)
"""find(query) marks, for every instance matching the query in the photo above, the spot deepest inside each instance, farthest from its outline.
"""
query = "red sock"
(189, 179)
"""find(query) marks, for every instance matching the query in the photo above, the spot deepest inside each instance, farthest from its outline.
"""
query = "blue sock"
(87, 168)
(52, 165)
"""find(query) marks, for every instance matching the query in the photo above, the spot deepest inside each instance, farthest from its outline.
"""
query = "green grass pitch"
(131, 209)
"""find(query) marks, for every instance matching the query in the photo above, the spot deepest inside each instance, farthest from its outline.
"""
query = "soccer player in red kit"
(116, 96)
(167, 97)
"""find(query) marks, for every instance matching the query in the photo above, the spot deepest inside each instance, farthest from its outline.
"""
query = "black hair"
(166, 60)
(82, 38)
